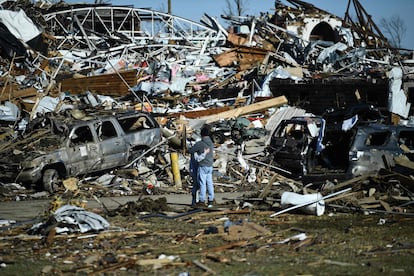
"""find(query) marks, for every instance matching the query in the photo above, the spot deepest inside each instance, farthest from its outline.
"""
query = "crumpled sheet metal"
(79, 220)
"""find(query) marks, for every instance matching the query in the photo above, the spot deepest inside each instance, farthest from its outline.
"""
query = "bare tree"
(235, 7)
(101, 2)
(394, 28)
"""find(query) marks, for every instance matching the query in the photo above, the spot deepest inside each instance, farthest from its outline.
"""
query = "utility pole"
(169, 6)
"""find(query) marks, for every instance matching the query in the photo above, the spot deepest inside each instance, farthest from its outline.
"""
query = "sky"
(194, 9)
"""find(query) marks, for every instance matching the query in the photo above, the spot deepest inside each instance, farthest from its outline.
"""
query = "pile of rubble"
(308, 111)
(64, 62)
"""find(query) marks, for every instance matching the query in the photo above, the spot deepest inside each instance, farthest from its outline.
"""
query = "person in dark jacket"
(205, 166)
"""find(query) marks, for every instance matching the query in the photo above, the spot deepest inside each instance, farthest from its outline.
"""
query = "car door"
(113, 145)
(83, 151)
(369, 148)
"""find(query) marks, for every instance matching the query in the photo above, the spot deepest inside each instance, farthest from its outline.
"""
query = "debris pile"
(79, 62)
(228, 238)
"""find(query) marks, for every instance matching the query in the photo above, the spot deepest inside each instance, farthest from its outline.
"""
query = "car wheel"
(50, 180)
(217, 137)
(135, 154)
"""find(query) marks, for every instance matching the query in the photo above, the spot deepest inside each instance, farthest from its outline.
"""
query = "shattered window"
(81, 135)
(135, 123)
(378, 138)
(406, 138)
(106, 130)
(295, 131)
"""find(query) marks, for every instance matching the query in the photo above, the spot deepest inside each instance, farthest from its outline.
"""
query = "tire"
(217, 137)
(135, 154)
(50, 180)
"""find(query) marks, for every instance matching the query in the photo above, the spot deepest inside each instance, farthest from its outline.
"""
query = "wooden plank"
(349, 182)
(199, 113)
(106, 84)
(385, 205)
(22, 93)
(204, 267)
(268, 186)
(404, 162)
(242, 56)
(367, 200)
(237, 40)
(255, 107)
(370, 206)
(142, 262)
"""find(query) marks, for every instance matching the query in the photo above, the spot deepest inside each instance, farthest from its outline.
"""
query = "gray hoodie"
(200, 146)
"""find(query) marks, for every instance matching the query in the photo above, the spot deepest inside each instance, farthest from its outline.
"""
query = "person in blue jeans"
(194, 160)
(194, 177)
(205, 167)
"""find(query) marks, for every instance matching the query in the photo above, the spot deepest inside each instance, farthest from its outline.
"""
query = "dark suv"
(306, 146)
(373, 143)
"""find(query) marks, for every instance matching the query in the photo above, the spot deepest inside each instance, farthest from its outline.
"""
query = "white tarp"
(397, 99)
(19, 24)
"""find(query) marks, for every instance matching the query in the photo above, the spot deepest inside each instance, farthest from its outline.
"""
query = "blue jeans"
(205, 179)
(196, 187)
(194, 177)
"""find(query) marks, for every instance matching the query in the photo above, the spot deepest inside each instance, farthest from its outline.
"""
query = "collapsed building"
(349, 61)
(104, 57)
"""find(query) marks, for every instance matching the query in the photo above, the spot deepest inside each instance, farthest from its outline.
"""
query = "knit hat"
(205, 131)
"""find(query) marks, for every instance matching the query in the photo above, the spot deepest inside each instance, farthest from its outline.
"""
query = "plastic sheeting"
(77, 219)
(19, 24)
(397, 100)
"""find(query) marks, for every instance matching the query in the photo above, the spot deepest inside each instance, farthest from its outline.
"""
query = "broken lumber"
(255, 107)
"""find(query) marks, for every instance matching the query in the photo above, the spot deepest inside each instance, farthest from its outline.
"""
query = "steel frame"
(87, 27)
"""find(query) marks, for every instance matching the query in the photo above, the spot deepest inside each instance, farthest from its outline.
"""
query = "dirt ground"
(226, 240)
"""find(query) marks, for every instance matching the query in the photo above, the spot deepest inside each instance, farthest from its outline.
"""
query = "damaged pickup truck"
(58, 147)
(312, 151)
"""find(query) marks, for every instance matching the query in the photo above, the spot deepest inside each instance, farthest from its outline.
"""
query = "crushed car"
(62, 146)
(295, 142)
(373, 144)
(311, 150)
